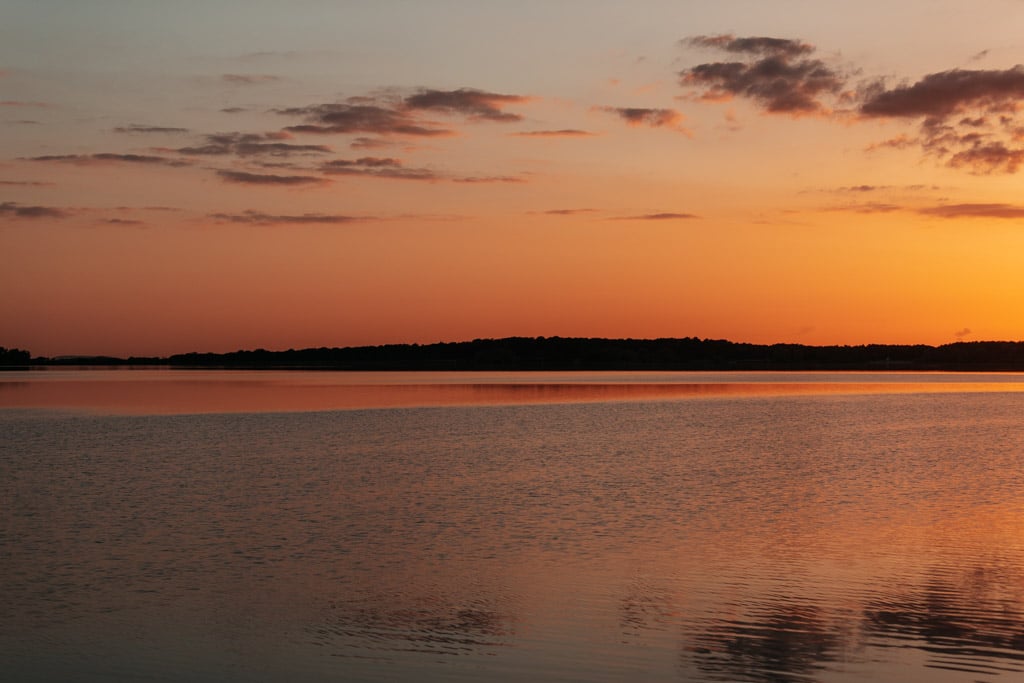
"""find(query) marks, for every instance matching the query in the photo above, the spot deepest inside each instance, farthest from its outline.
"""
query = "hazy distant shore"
(559, 353)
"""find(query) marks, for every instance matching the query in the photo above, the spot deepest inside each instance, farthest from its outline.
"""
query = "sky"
(218, 175)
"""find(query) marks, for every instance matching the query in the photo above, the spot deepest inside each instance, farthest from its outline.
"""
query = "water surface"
(669, 527)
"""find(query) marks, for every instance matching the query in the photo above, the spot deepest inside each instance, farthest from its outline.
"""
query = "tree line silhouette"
(571, 353)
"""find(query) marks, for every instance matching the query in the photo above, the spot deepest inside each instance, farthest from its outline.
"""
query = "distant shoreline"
(582, 354)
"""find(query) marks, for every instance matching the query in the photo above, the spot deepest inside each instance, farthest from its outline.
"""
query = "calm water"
(205, 526)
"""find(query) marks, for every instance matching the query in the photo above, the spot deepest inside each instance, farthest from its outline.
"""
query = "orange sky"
(195, 177)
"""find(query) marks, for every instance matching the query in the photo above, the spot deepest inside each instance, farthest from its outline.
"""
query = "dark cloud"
(566, 212)
(377, 167)
(974, 211)
(249, 79)
(369, 143)
(754, 45)
(358, 118)
(949, 92)
(777, 73)
(655, 118)
(122, 221)
(23, 122)
(490, 179)
(401, 116)
(259, 218)
(563, 133)
(268, 179)
(251, 144)
(968, 117)
(233, 110)
(475, 104)
(19, 103)
(389, 167)
(870, 207)
(988, 157)
(26, 183)
(87, 159)
(658, 217)
(22, 211)
(960, 334)
(137, 128)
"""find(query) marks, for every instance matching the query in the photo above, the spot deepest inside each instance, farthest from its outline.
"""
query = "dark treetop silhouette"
(560, 353)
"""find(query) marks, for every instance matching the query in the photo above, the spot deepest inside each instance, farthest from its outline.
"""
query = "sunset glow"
(216, 176)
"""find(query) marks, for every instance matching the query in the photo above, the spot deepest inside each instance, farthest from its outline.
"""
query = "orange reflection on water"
(190, 392)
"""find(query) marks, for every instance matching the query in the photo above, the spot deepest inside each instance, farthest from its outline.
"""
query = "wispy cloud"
(393, 169)
(369, 143)
(16, 210)
(378, 167)
(91, 159)
(334, 118)
(249, 79)
(566, 212)
(1012, 211)
(138, 128)
(251, 144)
(780, 75)
(653, 118)
(260, 218)
(469, 102)
(562, 133)
(658, 217)
(246, 178)
(25, 183)
(19, 103)
(395, 115)
(489, 179)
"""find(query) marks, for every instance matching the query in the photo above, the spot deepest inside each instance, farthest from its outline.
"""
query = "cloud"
(90, 159)
(755, 45)
(974, 211)
(949, 92)
(968, 117)
(983, 158)
(475, 104)
(122, 221)
(259, 218)
(369, 143)
(233, 110)
(249, 79)
(490, 179)
(868, 207)
(960, 334)
(658, 217)
(655, 118)
(402, 116)
(378, 167)
(566, 212)
(250, 144)
(333, 118)
(778, 74)
(20, 211)
(389, 167)
(17, 103)
(137, 128)
(563, 133)
(269, 179)
(25, 183)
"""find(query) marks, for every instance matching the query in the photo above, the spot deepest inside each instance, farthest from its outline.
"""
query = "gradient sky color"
(210, 176)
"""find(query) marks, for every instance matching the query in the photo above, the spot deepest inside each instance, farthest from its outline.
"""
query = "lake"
(173, 525)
